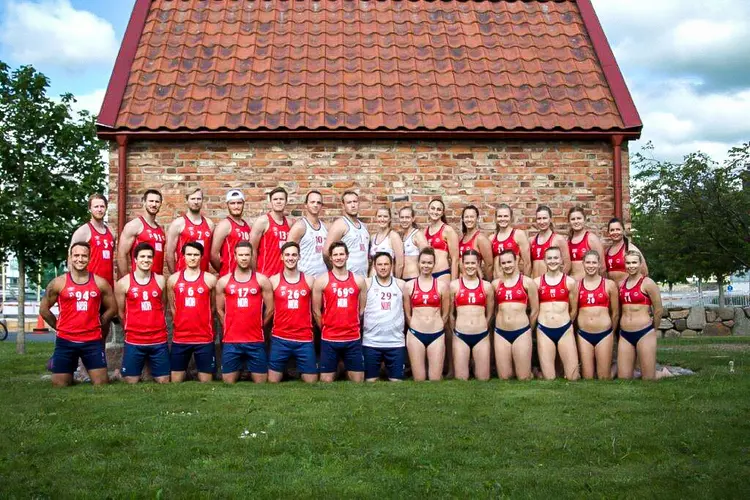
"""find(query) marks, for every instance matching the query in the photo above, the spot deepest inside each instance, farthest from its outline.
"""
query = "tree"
(693, 218)
(50, 162)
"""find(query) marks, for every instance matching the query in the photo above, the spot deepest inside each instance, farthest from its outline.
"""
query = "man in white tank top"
(353, 232)
(383, 322)
(310, 233)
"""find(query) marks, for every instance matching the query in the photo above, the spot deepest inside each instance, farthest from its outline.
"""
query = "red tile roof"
(288, 65)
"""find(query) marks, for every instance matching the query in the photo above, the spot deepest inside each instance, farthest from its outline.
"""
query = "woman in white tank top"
(386, 240)
(414, 242)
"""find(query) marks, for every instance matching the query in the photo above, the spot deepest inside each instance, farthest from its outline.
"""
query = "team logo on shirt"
(253, 291)
(94, 294)
(154, 293)
(303, 292)
(200, 290)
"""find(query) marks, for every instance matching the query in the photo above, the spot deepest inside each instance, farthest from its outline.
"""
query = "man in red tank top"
(192, 226)
(270, 233)
(143, 228)
(191, 299)
(228, 233)
(244, 303)
(81, 296)
(140, 302)
(338, 303)
(292, 335)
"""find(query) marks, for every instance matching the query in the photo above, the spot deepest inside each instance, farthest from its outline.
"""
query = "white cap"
(235, 194)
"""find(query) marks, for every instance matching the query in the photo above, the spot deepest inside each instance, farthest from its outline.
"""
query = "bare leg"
(646, 349)
(566, 347)
(328, 377)
(231, 377)
(62, 379)
(603, 354)
(503, 357)
(547, 354)
(416, 351)
(481, 355)
(449, 370)
(274, 377)
(355, 376)
(259, 378)
(162, 380)
(522, 348)
(625, 359)
(132, 380)
(436, 357)
(309, 378)
(461, 356)
(177, 377)
(586, 351)
(205, 377)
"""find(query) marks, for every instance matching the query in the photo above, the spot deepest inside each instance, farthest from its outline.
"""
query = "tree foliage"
(50, 162)
(693, 218)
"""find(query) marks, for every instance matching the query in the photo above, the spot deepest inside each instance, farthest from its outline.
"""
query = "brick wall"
(485, 173)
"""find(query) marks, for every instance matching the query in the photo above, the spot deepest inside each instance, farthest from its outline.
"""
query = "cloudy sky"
(686, 62)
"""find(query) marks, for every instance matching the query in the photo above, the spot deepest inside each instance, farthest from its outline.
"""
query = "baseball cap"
(235, 194)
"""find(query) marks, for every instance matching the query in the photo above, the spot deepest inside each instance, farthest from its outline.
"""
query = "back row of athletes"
(462, 304)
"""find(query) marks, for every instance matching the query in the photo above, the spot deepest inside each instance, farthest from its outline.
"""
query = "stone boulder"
(671, 334)
(696, 320)
(741, 323)
(711, 315)
(689, 333)
(728, 323)
(679, 314)
(726, 313)
(680, 324)
(666, 324)
(716, 330)
(747, 311)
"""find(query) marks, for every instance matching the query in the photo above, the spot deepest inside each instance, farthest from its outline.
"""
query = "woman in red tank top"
(426, 308)
(641, 312)
(473, 239)
(473, 306)
(507, 237)
(444, 240)
(544, 239)
(598, 313)
(580, 241)
(615, 254)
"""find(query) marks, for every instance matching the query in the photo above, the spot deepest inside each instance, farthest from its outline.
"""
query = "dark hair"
(278, 190)
(573, 210)
(143, 245)
(243, 244)
(426, 251)
(97, 196)
(411, 211)
(314, 191)
(337, 244)
(152, 191)
(193, 244)
(545, 208)
(471, 253)
(468, 207)
(289, 244)
(614, 220)
(347, 193)
(442, 218)
(382, 254)
(80, 244)
(501, 207)
(509, 251)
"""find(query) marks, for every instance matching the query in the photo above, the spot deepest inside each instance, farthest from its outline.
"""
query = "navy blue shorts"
(67, 353)
(350, 352)
(244, 355)
(135, 357)
(394, 358)
(205, 357)
(303, 352)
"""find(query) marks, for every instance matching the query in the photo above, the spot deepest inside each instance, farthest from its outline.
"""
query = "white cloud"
(90, 102)
(53, 32)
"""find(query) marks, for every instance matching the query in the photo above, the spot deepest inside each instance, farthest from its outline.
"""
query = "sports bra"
(470, 296)
(598, 297)
(538, 249)
(553, 293)
(436, 240)
(509, 243)
(616, 262)
(383, 246)
(515, 293)
(410, 249)
(463, 247)
(578, 250)
(634, 296)
(420, 298)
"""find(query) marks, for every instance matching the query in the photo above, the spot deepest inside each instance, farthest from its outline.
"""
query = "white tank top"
(383, 246)
(384, 316)
(357, 240)
(410, 248)
(311, 250)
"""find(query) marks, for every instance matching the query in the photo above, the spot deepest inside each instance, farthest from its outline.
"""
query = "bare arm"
(497, 270)
(170, 292)
(485, 250)
(173, 234)
(362, 284)
(297, 231)
(108, 300)
(127, 238)
(489, 306)
(220, 234)
(561, 242)
(408, 287)
(446, 301)
(652, 289)
(317, 302)
(614, 303)
(533, 292)
(83, 233)
(572, 297)
(524, 251)
(260, 226)
(221, 298)
(49, 299)
(211, 280)
(121, 290)
(398, 251)
(452, 239)
(337, 231)
(267, 289)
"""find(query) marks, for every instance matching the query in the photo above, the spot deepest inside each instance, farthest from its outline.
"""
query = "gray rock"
(696, 320)
(716, 330)
(741, 323)
(671, 334)
(680, 324)
(679, 314)
(747, 312)
(726, 313)
(689, 333)
(711, 316)
(665, 324)
(728, 322)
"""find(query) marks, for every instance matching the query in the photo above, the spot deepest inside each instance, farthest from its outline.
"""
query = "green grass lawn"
(687, 437)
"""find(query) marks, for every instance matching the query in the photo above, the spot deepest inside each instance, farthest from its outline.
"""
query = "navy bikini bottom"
(512, 335)
(426, 338)
(594, 338)
(554, 334)
(634, 337)
(471, 339)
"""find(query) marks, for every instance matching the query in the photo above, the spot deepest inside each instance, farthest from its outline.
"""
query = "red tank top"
(79, 319)
(578, 250)
(430, 298)
(553, 293)
(616, 262)
(100, 260)
(470, 296)
(509, 243)
(633, 296)
(243, 320)
(155, 237)
(515, 293)
(144, 313)
(193, 323)
(538, 249)
(292, 318)
(598, 297)
(436, 240)
(199, 233)
(237, 233)
(269, 251)
(341, 309)
(463, 247)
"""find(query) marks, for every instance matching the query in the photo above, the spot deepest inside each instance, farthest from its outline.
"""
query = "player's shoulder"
(209, 278)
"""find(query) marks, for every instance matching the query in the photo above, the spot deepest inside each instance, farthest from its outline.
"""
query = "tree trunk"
(21, 338)
(720, 282)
